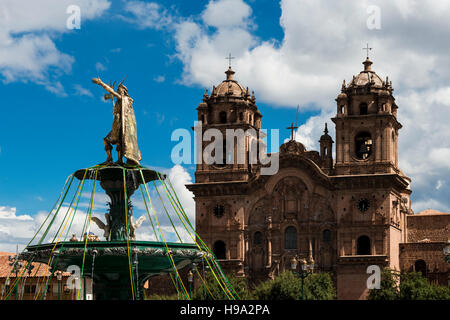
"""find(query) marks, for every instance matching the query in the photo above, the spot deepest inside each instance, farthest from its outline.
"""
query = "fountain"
(119, 265)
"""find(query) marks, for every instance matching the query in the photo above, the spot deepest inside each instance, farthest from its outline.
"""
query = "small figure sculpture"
(123, 133)
(134, 226)
(74, 238)
(106, 227)
(90, 237)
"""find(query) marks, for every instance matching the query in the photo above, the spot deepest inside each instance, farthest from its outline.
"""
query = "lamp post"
(16, 266)
(59, 277)
(306, 269)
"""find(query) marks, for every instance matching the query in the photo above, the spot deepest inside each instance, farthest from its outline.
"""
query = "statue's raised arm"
(106, 87)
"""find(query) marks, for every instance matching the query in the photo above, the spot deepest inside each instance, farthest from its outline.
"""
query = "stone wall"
(435, 227)
(437, 269)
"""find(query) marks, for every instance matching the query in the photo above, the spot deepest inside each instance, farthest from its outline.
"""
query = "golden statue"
(124, 132)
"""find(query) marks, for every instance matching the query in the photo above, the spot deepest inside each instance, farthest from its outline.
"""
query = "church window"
(241, 116)
(219, 249)
(219, 211)
(223, 117)
(202, 118)
(341, 109)
(326, 235)
(290, 238)
(421, 266)
(363, 108)
(363, 245)
(257, 238)
(363, 145)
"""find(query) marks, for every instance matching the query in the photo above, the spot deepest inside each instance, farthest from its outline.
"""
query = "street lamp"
(190, 278)
(447, 251)
(306, 269)
(59, 277)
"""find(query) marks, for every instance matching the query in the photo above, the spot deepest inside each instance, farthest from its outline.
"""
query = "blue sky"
(290, 52)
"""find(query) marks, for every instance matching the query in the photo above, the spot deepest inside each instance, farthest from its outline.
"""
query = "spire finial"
(367, 63)
(292, 128)
(367, 50)
(229, 58)
(326, 129)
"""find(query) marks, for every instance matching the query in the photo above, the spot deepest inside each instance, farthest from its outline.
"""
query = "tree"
(319, 286)
(287, 286)
(388, 287)
(407, 286)
(413, 286)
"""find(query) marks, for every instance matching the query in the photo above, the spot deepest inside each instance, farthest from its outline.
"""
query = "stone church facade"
(346, 213)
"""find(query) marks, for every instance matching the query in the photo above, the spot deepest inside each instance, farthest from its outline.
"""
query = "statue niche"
(257, 230)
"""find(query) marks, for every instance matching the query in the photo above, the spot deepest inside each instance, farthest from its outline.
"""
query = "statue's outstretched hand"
(96, 80)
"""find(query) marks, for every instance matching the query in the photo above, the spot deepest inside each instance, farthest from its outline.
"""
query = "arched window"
(290, 238)
(326, 235)
(219, 249)
(421, 266)
(363, 108)
(363, 245)
(363, 145)
(241, 116)
(257, 238)
(223, 117)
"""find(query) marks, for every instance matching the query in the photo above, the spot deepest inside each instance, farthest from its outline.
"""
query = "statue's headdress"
(123, 86)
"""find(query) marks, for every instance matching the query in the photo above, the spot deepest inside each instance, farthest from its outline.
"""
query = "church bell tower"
(230, 120)
(366, 125)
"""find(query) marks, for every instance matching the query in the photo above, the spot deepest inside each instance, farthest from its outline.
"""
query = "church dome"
(230, 87)
(367, 76)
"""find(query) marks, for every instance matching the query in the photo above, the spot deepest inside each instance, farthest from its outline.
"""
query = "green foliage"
(287, 286)
(219, 291)
(413, 286)
(408, 286)
(319, 286)
(388, 287)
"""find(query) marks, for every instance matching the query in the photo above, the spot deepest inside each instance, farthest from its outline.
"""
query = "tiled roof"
(39, 269)
(429, 212)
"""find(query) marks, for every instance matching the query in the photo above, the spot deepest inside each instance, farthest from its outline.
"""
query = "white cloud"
(100, 67)
(322, 45)
(226, 13)
(159, 78)
(27, 31)
(147, 14)
(7, 213)
(81, 91)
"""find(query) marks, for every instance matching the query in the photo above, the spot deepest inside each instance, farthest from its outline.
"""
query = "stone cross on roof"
(229, 58)
(292, 128)
(367, 50)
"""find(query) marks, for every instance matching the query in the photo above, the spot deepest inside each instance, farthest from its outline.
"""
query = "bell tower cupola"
(231, 123)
